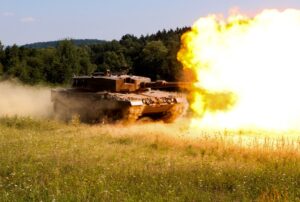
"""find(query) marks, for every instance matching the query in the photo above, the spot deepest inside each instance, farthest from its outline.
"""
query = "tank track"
(132, 114)
(173, 113)
(129, 115)
(61, 111)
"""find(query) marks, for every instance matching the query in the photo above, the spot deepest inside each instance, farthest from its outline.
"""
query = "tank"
(104, 97)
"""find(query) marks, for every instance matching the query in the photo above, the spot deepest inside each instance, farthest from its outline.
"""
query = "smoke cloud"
(20, 100)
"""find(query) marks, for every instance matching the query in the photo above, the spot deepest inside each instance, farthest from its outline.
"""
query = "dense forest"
(152, 55)
(54, 44)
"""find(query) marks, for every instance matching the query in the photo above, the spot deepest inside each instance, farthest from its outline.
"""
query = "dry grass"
(45, 160)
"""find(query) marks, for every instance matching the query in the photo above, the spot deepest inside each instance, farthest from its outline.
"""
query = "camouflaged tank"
(127, 98)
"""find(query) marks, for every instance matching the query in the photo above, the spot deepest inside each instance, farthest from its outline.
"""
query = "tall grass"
(43, 160)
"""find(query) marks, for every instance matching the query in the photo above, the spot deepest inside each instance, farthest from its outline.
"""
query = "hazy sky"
(26, 21)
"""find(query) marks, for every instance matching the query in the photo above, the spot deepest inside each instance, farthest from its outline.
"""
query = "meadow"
(45, 160)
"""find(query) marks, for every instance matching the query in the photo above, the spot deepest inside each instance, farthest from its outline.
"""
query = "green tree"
(114, 61)
(2, 54)
(49, 57)
(152, 59)
(35, 69)
(173, 69)
(86, 67)
(11, 59)
(132, 47)
(1, 69)
(67, 62)
(21, 71)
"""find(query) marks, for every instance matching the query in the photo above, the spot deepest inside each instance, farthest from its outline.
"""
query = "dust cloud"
(20, 100)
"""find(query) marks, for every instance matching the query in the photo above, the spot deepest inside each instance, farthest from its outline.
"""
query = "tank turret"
(104, 96)
(122, 83)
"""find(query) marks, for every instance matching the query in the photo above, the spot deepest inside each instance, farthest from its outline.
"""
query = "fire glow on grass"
(248, 70)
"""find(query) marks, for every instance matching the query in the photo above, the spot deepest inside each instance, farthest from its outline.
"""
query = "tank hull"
(104, 107)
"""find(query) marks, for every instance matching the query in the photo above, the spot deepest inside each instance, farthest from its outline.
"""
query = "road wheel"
(173, 113)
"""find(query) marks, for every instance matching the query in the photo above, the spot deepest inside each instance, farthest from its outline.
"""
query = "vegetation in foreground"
(49, 161)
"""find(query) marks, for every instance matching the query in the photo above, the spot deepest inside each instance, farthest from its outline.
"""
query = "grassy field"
(43, 160)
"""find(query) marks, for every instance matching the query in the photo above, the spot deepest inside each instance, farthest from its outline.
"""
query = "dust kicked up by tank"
(21, 100)
(250, 68)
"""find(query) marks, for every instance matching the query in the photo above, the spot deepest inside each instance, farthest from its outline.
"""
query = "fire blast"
(248, 70)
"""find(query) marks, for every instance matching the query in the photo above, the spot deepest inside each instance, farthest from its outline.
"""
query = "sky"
(28, 21)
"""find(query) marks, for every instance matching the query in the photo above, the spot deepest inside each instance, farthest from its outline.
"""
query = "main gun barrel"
(165, 84)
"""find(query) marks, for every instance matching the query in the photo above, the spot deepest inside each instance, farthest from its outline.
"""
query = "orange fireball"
(248, 70)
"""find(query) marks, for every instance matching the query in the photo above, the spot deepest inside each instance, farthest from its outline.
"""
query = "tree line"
(153, 56)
